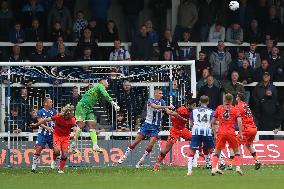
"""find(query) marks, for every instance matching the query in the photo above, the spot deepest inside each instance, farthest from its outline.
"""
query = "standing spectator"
(233, 87)
(99, 11)
(62, 55)
(87, 41)
(39, 54)
(264, 67)
(16, 55)
(79, 25)
(96, 33)
(120, 54)
(266, 53)
(254, 33)
(237, 63)
(261, 13)
(131, 10)
(17, 34)
(253, 56)
(273, 24)
(279, 72)
(142, 48)
(16, 123)
(109, 35)
(61, 14)
(35, 33)
(186, 52)
(56, 32)
(6, 20)
(166, 43)
(32, 118)
(201, 64)
(235, 34)
(121, 123)
(203, 81)
(280, 10)
(265, 101)
(217, 32)
(187, 17)
(213, 92)
(128, 101)
(152, 34)
(220, 61)
(53, 51)
(246, 73)
(33, 9)
(159, 11)
(207, 15)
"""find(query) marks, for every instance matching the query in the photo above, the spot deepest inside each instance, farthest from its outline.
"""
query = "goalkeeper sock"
(35, 160)
(62, 163)
(94, 136)
(190, 162)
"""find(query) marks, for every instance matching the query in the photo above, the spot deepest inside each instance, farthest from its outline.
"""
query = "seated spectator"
(59, 13)
(235, 34)
(17, 34)
(201, 64)
(233, 87)
(167, 56)
(79, 25)
(278, 74)
(33, 9)
(264, 67)
(87, 41)
(217, 33)
(236, 64)
(253, 56)
(275, 57)
(142, 47)
(265, 105)
(203, 81)
(267, 52)
(56, 32)
(62, 55)
(246, 73)
(186, 52)
(212, 91)
(74, 97)
(87, 55)
(16, 55)
(273, 24)
(6, 20)
(53, 50)
(254, 33)
(220, 61)
(32, 118)
(166, 43)
(39, 54)
(35, 33)
(152, 34)
(120, 123)
(109, 35)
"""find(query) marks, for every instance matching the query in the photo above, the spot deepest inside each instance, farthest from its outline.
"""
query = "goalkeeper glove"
(116, 107)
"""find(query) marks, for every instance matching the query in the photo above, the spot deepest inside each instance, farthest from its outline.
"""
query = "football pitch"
(268, 177)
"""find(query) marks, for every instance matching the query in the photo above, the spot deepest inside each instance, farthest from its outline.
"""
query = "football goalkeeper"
(84, 112)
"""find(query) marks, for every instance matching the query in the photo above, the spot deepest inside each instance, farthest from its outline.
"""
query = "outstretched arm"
(41, 123)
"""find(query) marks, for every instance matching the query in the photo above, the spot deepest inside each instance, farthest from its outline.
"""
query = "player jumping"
(227, 116)
(61, 135)
(44, 136)
(84, 112)
(200, 120)
(151, 127)
(177, 130)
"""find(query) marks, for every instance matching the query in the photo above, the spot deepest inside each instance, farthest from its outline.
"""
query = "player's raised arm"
(103, 91)
(41, 123)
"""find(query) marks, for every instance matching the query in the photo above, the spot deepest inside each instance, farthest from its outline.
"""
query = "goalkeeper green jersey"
(94, 95)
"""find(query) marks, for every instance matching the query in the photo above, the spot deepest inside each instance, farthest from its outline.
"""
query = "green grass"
(268, 177)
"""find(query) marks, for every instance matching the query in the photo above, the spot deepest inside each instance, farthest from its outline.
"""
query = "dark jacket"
(246, 75)
(214, 95)
(142, 48)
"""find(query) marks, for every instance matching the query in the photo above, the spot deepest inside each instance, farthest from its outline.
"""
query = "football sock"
(254, 156)
(146, 153)
(190, 162)
(35, 160)
(128, 150)
(94, 137)
(215, 161)
(160, 158)
(237, 160)
(221, 159)
(207, 159)
(62, 163)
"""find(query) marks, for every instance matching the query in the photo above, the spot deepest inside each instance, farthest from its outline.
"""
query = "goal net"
(25, 84)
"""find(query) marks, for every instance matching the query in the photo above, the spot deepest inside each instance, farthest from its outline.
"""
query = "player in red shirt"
(227, 116)
(249, 128)
(61, 133)
(177, 130)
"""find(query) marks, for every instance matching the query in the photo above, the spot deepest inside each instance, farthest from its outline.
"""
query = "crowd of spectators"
(220, 70)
